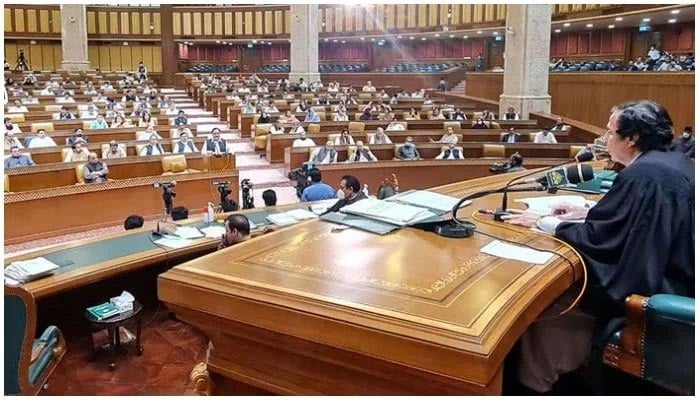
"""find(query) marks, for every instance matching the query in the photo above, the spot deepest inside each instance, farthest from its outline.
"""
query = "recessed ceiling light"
(437, 35)
(675, 11)
(618, 19)
(325, 40)
(589, 25)
(495, 33)
(323, 24)
(646, 19)
(219, 41)
(412, 38)
(452, 36)
(230, 44)
(255, 41)
(478, 32)
(465, 37)
(398, 37)
(611, 26)
(566, 25)
(270, 43)
(225, 42)
(372, 39)
(422, 38)
(335, 40)
(672, 21)
(342, 41)
(557, 30)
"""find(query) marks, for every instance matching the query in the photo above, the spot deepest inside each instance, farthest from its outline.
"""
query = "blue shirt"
(180, 121)
(97, 125)
(21, 161)
(318, 191)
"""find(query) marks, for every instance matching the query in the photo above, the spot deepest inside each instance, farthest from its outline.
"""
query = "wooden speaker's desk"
(310, 311)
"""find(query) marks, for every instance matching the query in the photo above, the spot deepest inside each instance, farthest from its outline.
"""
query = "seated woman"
(146, 120)
(488, 115)
(344, 139)
(341, 115)
(413, 114)
(119, 122)
(367, 116)
(302, 107)
(436, 114)
(276, 129)
(287, 118)
(480, 124)
(264, 118)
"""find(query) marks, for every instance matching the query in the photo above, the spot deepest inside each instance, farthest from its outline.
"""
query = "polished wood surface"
(295, 157)
(312, 311)
(51, 212)
(588, 97)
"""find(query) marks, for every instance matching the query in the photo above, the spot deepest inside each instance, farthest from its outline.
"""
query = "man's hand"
(568, 212)
(522, 218)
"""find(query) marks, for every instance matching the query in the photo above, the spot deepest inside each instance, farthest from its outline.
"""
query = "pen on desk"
(486, 211)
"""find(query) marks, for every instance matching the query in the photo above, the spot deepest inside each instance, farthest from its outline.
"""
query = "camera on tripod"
(246, 191)
(168, 194)
(500, 168)
(225, 203)
(301, 175)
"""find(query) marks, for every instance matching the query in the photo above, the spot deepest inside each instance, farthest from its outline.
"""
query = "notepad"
(512, 252)
(427, 199)
(214, 232)
(173, 242)
(188, 232)
(29, 270)
(391, 212)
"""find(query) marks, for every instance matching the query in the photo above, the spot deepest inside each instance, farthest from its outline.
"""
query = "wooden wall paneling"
(11, 53)
(478, 12)
(19, 20)
(228, 23)
(187, 24)
(137, 56)
(390, 10)
(269, 23)
(125, 58)
(56, 21)
(113, 23)
(94, 56)
(456, 14)
(47, 57)
(349, 17)
(444, 10)
(208, 24)
(401, 16)
(57, 56)
(618, 42)
(594, 44)
(156, 23)
(102, 24)
(380, 16)
(287, 21)
(31, 21)
(238, 25)
(248, 22)
(8, 20)
(411, 15)
(124, 23)
(146, 23)
(686, 38)
(258, 25)
(489, 12)
(467, 13)
(279, 22)
(338, 19)
(115, 53)
(501, 12)
(359, 16)
(433, 11)
(326, 20)
(105, 63)
(370, 22)
(583, 40)
(422, 16)
(36, 58)
(197, 24)
(157, 59)
(91, 23)
(136, 24)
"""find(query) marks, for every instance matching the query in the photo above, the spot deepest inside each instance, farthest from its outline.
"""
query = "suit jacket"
(516, 137)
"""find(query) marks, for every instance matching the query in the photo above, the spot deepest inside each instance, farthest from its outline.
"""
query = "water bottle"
(210, 212)
(365, 190)
(205, 217)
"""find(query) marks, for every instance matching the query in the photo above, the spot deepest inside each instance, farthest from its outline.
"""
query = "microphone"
(221, 183)
(585, 156)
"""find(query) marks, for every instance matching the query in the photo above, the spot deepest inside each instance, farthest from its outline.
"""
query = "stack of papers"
(173, 242)
(322, 206)
(188, 232)
(29, 270)
(428, 199)
(290, 217)
(214, 232)
(391, 212)
(513, 252)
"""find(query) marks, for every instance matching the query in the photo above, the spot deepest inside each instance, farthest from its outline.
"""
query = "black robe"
(639, 239)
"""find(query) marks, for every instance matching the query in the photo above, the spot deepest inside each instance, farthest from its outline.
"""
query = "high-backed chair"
(487, 123)
(256, 117)
(657, 344)
(28, 361)
(280, 103)
(402, 123)
(261, 132)
(445, 147)
(477, 114)
(456, 125)
(79, 174)
(531, 136)
(321, 115)
(357, 116)
(574, 149)
(47, 126)
(307, 96)
(314, 128)
(494, 125)
(175, 164)
(354, 126)
(105, 148)
(352, 149)
(332, 137)
(53, 107)
(16, 118)
(7, 183)
(406, 113)
(493, 150)
(86, 125)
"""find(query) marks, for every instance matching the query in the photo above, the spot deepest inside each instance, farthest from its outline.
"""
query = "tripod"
(21, 63)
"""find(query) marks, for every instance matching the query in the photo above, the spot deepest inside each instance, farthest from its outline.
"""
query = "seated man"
(311, 116)
(130, 96)
(380, 137)
(459, 115)
(368, 87)
(545, 136)
(270, 198)
(65, 114)
(516, 163)
(77, 136)
(511, 114)
(11, 140)
(133, 222)
(237, 230)
(448, 137)
(344, 139)
(99, 123)
(17, 108)
(66, 99)
(153, 148)
(287, 118)
(408, 150)
(146, 135)
(303, 141)
(685, 143)
(559, 126)
(185, 145)
(95, 170)
(450, 153)
(90, 113)
(317, 190)
(17, 160)
(10, 127)
(511, 137)
(30, 100)
(114, 151)
(215, 144)
(362, 154)
(350, 188)
(324, 155)
(395, 126)
(181, 119)
(41, 140)
(79, 153)
(341, 115)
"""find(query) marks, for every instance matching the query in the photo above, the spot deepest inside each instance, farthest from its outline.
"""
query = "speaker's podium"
(311, 310)
(219, 162)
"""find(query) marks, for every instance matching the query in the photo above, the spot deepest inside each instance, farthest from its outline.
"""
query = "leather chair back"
(47, 126)
(16, 118)
(174, 164)
(7, 183)
(354, 126)
(53, 107)
(314, 128)
(494, 150)
(574, 149)
(80, 178)
(456, 125)
(105, 148)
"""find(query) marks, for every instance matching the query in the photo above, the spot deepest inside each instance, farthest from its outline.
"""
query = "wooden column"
(169, 47)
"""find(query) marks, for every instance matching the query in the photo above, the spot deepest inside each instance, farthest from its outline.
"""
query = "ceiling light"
(618, 19)
(323, 24)
(412, 37)
(465, 37)
(495, 33)
(270, 43)
(589, 25)
(325, 40)
(452, 36)
(437, 35)
(646, 19)
(342, 41)
(557, 30)
(372, 39)
(255, 41)
(362, 38)
(675, 11)
(611, 26)
(398, 37)
(219, 41)
(566, 25)
(422, 38)
(478, 32)
(224, 42)
(672, 21)
(335, 40)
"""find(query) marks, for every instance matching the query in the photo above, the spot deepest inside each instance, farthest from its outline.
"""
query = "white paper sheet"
(188, 232)
(428, 199)
(214, 232)
(301, 214)
(542, 205)
(513, 252)
(173, 242)
(282, 219)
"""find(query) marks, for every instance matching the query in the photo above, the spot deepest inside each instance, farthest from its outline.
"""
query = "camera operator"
(168, 194)
(317, 190)
(226, 204)
(246, 191)
(514, 164)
